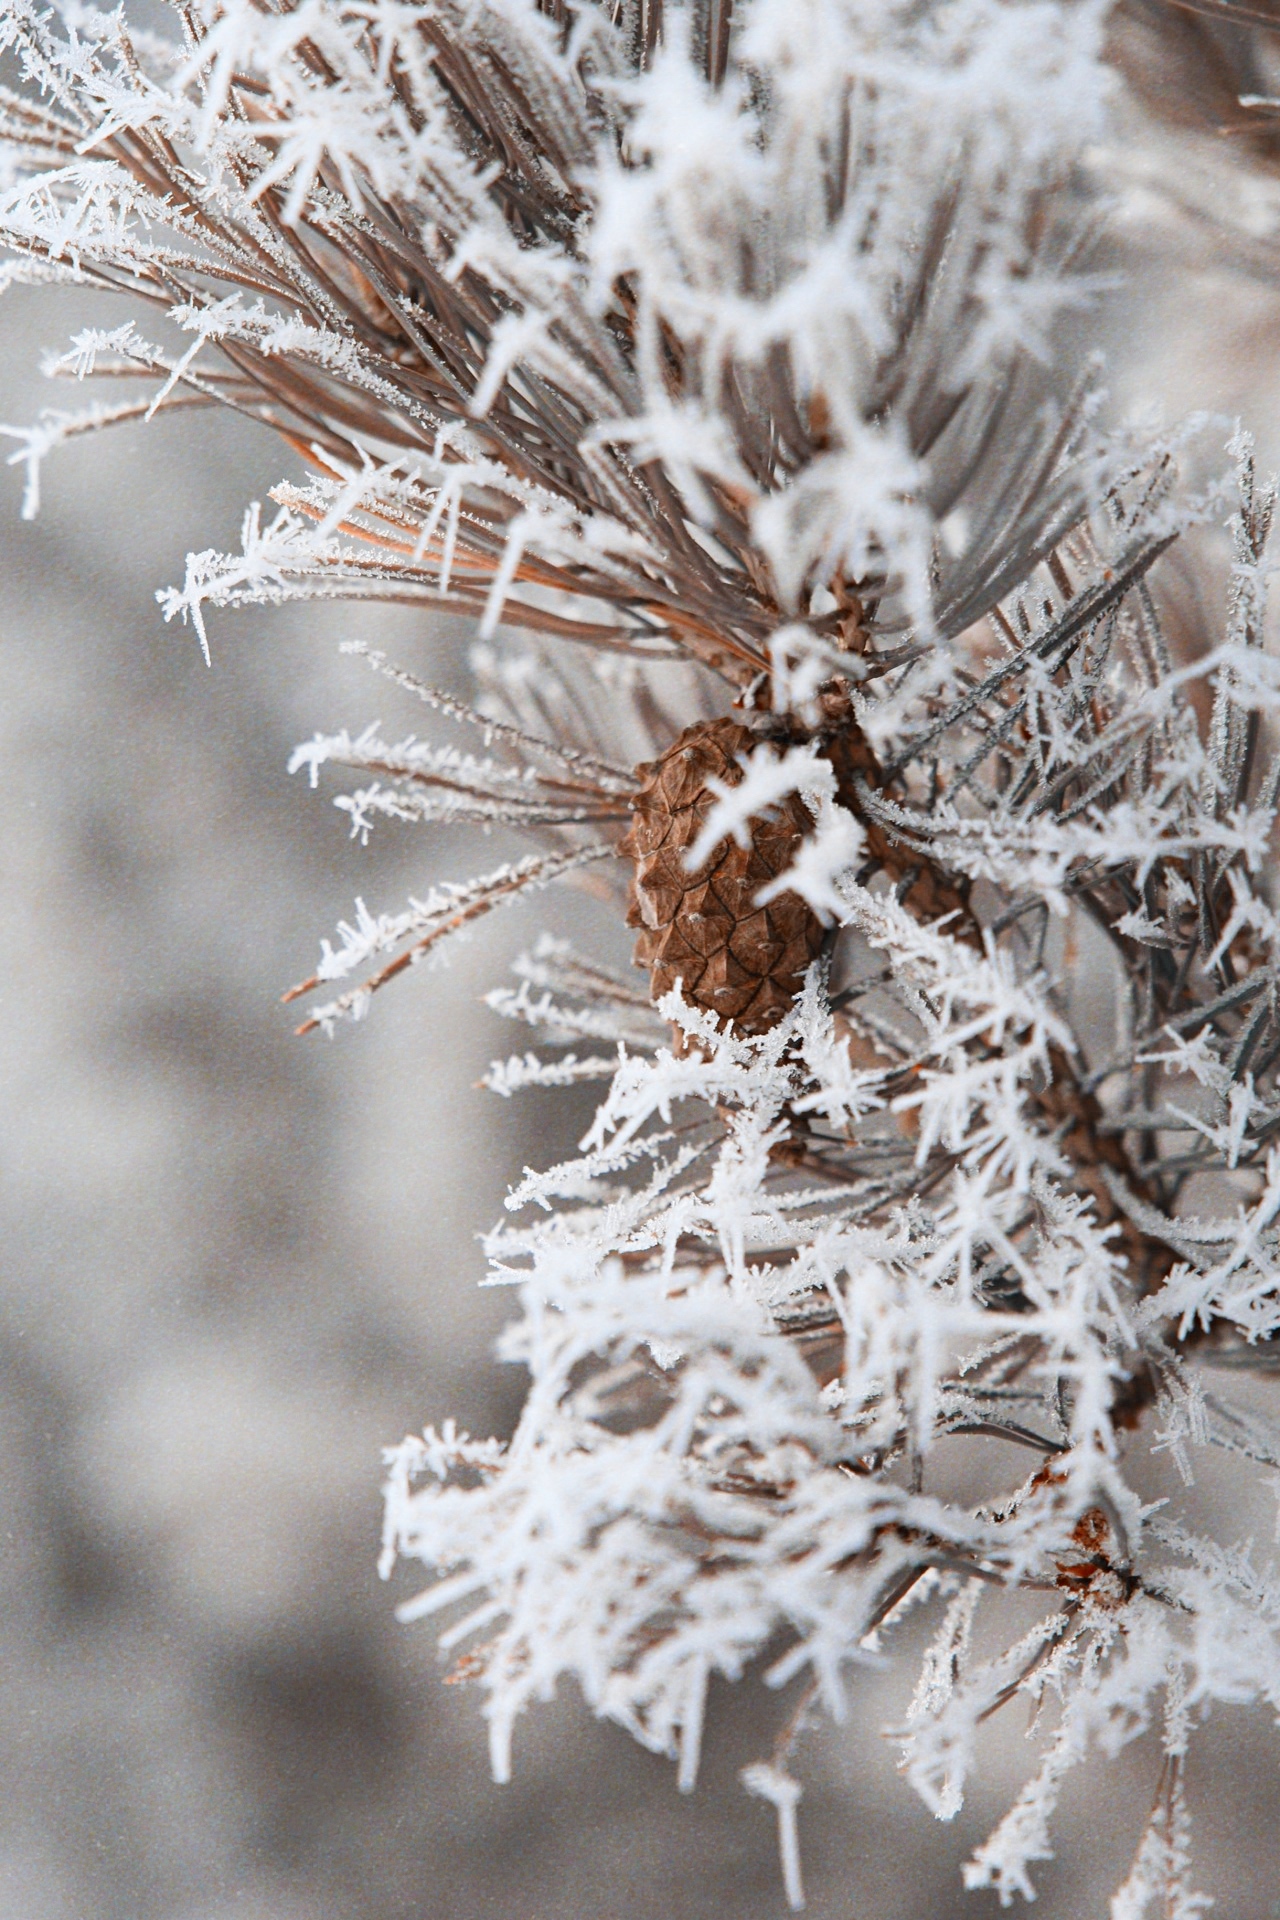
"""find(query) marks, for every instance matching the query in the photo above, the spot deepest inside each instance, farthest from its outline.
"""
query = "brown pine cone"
(740, 961)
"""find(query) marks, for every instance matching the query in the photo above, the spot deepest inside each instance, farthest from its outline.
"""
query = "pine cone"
(740, 961)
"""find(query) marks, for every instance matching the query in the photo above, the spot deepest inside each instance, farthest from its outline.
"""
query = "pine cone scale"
(743, 962)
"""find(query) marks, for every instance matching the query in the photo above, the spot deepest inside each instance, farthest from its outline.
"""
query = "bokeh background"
(235, 1264)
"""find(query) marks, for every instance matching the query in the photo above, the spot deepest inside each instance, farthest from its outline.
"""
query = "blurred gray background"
(235, 1264)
